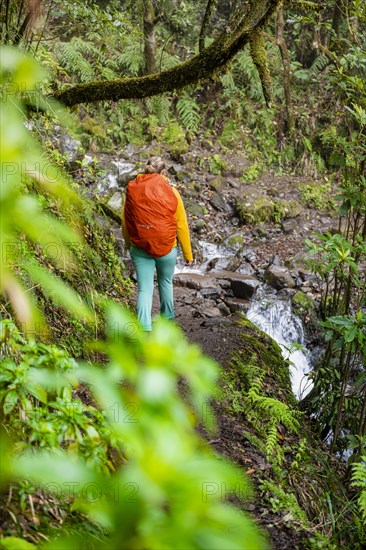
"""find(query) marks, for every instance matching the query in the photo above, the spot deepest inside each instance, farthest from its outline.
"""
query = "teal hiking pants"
(145, 267)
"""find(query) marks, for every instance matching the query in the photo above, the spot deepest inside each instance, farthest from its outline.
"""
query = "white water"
(269, 313)
(111, 179)
(275, 318)
(210, 251)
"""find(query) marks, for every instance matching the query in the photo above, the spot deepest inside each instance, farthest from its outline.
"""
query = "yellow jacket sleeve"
(124, 229)
(182, 228)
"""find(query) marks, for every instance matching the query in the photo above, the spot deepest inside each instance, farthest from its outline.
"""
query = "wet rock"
(234, 242)
(218, 203)
(198, 226)
(212, 312)
(115, 202)
(242, 286)
(211, 264)
(234, 264)
(289, 226)
(246, 269)
(193, 280)
(224, 283)
(211, 292)
(278, 277)
(217, 183)
(249, 254)
(224, 309)
(237, 304)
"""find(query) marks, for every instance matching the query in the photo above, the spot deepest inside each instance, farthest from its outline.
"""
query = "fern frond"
(188, 112)
(228, 82)
(72, 59)
(359, 480)
(131, 58)
(271, 441)
(319, 63)
(160, 107)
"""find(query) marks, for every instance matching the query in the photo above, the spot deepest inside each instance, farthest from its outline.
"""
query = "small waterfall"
(210, 251)
(220, 253)
(274, 316)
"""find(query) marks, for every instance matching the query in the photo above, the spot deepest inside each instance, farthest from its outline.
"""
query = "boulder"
(278, 277)
(289, 226)
(212, 312)
(255, 206)
(241, 285)
(115, 202)
(217, 183)
(218, 203)
(211, 292)
(193, 280)
(196, 209)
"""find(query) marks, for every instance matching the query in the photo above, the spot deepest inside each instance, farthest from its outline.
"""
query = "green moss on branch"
(259, 56)
(247, 18)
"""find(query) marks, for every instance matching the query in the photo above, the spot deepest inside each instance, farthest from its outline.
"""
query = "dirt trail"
(219, 338)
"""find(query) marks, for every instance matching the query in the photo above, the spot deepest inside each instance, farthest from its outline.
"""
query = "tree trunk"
(286, 61)
(149, 26)
(248, 17)
(206, 23)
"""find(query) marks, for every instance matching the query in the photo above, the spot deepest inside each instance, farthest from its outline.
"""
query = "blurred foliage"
(131, 461)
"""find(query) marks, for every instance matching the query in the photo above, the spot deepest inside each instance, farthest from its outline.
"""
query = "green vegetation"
(217, 165)
(174, 137)
(284, 89)
(133, 452)
(301, 482)
(302, 304)
(317, 195)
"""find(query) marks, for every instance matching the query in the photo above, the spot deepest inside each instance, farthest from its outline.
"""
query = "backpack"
(149, 214)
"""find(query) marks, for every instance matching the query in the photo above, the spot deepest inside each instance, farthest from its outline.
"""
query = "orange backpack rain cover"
(149, 214)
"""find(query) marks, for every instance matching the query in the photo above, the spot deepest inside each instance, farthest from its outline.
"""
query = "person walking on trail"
(153, 221)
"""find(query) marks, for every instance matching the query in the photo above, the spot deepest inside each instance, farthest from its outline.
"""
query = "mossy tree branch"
(249, 16)
(206, 23)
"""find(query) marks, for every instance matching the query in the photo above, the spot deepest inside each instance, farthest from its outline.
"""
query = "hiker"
(153, 219)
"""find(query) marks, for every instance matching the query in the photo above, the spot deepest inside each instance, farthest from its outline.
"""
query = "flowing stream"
(271, 314)
(275, 317)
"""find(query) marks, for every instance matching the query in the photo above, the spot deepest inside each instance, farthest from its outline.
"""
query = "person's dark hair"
(155, 166)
